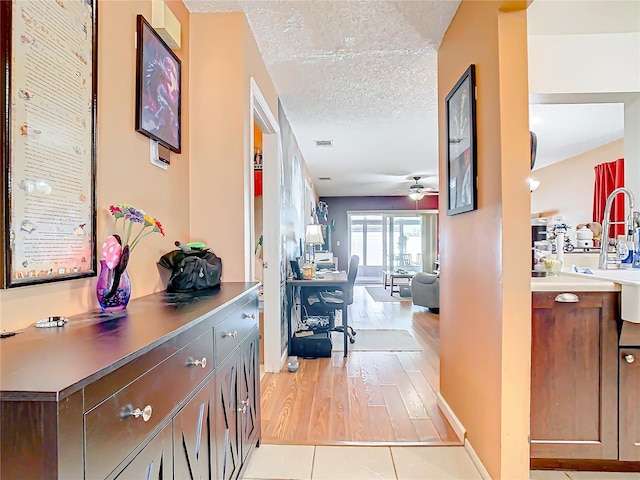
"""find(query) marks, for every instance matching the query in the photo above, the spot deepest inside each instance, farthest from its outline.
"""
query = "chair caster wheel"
(352, 340)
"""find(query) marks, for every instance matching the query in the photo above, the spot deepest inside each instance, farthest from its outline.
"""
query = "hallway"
(317, 425)
(381, 398)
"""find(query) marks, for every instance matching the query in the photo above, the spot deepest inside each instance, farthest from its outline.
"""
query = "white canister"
(584, 237)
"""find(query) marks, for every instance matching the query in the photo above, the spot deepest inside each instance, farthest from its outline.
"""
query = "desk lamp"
(313, 237)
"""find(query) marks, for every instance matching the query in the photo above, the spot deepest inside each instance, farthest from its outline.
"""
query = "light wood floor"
(367, 398)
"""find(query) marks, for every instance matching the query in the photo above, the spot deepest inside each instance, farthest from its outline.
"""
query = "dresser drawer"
(230, 331)
(112, 430)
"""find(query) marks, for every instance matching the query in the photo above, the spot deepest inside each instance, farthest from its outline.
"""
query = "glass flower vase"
(111, 299)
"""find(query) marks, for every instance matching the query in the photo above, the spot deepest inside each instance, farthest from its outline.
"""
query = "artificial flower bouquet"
(131, 226)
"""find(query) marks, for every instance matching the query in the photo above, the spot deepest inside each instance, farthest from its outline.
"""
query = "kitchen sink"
(629, 281)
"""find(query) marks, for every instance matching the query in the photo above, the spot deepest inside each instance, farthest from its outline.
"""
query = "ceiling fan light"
(416, 191)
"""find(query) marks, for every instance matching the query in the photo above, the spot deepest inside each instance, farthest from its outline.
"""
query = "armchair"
(425, 290)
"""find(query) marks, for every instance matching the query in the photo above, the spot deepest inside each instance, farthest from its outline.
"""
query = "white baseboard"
(476, 460)
(283, 359)
(459, 429)
(456, 424)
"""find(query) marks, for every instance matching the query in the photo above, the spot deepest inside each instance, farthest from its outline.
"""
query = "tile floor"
(302, 462)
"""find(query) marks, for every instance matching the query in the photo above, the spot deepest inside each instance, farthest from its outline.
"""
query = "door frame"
(272, 255)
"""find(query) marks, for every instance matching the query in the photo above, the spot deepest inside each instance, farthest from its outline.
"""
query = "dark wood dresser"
(168, 388)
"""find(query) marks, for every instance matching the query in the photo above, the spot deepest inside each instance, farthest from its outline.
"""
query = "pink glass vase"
(112, 299)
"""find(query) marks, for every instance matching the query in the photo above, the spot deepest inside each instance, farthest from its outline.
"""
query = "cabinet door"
(227, 442)
(574, 392)
(249, 394)
(192, 429)
(154, 462)
(630, 404)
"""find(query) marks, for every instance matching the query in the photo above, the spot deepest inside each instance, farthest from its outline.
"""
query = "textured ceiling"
(363, 74)
(359, 73)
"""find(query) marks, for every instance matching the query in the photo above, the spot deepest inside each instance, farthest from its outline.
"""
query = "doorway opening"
(265, 224)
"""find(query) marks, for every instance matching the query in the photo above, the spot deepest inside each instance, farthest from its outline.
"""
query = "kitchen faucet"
(606, 223)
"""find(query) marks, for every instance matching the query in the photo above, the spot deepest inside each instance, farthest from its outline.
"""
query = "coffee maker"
(540, 246)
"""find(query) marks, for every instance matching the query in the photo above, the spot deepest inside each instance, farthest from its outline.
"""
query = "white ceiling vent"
(324, 143)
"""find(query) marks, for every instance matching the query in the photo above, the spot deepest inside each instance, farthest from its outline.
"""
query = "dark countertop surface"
(54, 362)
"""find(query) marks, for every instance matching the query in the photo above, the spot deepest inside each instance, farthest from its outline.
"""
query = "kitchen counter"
(581, 283)
(626, 281)
(629, 282)
(628, 276)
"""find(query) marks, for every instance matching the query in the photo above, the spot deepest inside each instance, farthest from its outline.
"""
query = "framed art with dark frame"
(462, 182)
(158, 88)
(48, 128)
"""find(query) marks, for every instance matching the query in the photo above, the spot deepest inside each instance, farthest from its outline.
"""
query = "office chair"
(330, 301)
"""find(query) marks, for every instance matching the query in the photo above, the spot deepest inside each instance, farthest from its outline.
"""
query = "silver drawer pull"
(629, 358)
(202, 363)
(567, 298)
(230, 334)
(145, 412)
(249, 315)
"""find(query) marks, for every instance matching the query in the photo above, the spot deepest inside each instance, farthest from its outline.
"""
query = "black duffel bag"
(193, 269)
(317, 345)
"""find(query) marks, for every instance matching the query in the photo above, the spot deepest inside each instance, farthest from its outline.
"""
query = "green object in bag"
(197, 245)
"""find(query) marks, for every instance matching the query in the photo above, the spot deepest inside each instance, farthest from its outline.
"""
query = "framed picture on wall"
(462, 184)
(48, 127)
(158, 88)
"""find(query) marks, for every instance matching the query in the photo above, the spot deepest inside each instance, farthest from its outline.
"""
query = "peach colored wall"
(257, 137)
(566, 187)
(220, 150)
(124, 174)
(217, 186)
(516, 246)
(485, 339)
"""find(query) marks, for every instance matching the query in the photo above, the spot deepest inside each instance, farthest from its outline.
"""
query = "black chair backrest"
(351, 279)
(295, 268)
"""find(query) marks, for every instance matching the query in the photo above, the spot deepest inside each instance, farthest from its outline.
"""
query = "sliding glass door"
(404, 243)
(367, 241)
(392, 241)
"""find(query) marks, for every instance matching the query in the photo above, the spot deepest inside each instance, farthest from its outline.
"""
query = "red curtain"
(609, 176)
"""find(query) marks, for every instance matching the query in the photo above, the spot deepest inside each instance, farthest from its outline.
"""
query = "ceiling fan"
(418, 191)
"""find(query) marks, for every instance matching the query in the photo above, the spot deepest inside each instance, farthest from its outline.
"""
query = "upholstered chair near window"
(425, 290)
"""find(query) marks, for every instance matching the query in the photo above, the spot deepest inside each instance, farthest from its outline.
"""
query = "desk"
(336, 281)
(389, 276)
